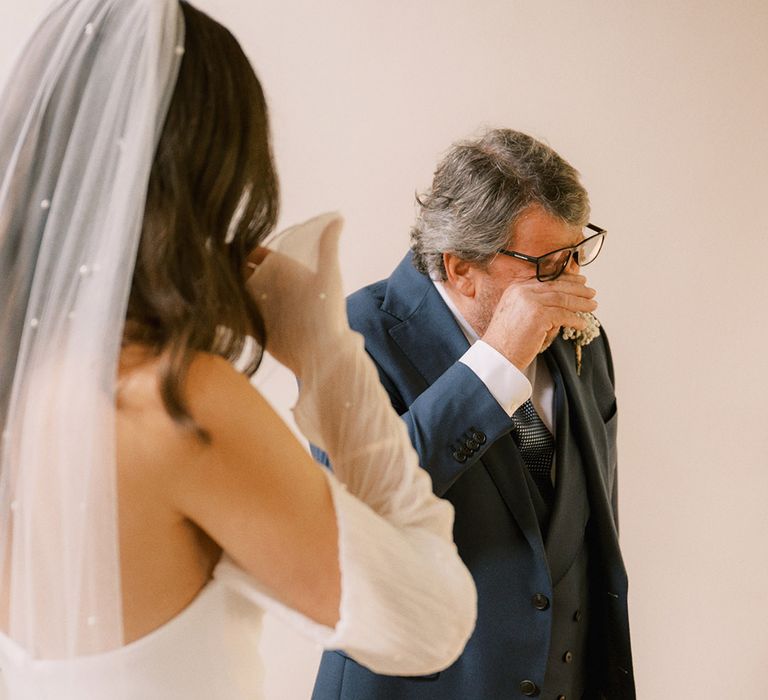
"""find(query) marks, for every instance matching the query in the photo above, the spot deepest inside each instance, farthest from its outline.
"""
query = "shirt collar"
(466, 329)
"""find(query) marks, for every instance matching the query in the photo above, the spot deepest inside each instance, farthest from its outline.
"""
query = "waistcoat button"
(540, 601)
(568, 657)
(529, 689)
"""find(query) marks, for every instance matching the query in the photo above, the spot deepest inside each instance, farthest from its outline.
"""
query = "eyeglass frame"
(529, 258)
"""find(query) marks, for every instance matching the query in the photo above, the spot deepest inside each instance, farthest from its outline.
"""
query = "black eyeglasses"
(551, 265)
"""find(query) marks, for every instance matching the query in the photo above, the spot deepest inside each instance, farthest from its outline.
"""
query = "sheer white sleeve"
(408, 602)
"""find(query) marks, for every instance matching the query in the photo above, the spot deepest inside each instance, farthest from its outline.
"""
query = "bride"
(152, 504)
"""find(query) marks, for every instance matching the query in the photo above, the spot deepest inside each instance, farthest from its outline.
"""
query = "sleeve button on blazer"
(460, 456)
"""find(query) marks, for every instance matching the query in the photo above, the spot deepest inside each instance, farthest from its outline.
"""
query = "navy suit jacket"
(415, 343)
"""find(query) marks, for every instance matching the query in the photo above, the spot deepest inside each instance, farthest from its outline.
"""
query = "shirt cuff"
(507, 384)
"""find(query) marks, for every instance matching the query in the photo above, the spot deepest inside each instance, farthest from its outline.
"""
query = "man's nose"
(572, 266)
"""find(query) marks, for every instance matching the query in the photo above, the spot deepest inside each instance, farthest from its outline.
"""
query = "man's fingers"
(569, 319)
(567, 301)
(568, 284)
(567, 287)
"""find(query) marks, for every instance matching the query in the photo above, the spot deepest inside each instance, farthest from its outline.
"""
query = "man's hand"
(529, 316)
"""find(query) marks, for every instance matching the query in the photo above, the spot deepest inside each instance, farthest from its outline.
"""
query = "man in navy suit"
(516, 432)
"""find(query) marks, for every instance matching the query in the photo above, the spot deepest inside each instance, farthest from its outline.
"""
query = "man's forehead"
(535, 226)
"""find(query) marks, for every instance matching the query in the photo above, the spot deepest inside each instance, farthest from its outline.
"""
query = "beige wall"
(663, 106)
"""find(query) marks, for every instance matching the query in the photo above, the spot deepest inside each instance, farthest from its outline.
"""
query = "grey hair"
(480, 189)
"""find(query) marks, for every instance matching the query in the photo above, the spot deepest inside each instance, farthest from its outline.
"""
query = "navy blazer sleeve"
(451, 423)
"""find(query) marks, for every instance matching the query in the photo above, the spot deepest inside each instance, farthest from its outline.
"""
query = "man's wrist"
(506, 383)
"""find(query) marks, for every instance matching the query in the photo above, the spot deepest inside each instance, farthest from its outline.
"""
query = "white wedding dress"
(411, 619)
(209, 650)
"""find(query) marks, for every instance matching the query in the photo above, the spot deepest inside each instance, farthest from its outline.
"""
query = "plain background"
(663, 107)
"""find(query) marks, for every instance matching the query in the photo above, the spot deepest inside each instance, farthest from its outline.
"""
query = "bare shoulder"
(167, 463)
(219, 398)
(225, 404)
(212, 383)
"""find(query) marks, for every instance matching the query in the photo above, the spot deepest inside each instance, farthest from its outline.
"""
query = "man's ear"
(461, 274)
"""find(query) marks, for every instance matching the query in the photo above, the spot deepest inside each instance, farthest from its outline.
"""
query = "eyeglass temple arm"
(596, 229)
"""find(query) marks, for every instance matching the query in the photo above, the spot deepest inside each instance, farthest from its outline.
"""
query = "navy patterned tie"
(537, 448)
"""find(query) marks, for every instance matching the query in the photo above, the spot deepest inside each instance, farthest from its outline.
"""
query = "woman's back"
(165, 558)
(192, 620)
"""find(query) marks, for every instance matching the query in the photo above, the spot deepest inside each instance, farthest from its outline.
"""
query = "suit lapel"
(428, 333)
(565, 536)
(432, 340)
(585, 423)
(582, 450)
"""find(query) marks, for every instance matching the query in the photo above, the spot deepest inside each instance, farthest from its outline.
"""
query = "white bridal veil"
(79, 122)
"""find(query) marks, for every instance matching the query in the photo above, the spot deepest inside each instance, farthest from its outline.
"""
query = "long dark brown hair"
(212, 198)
